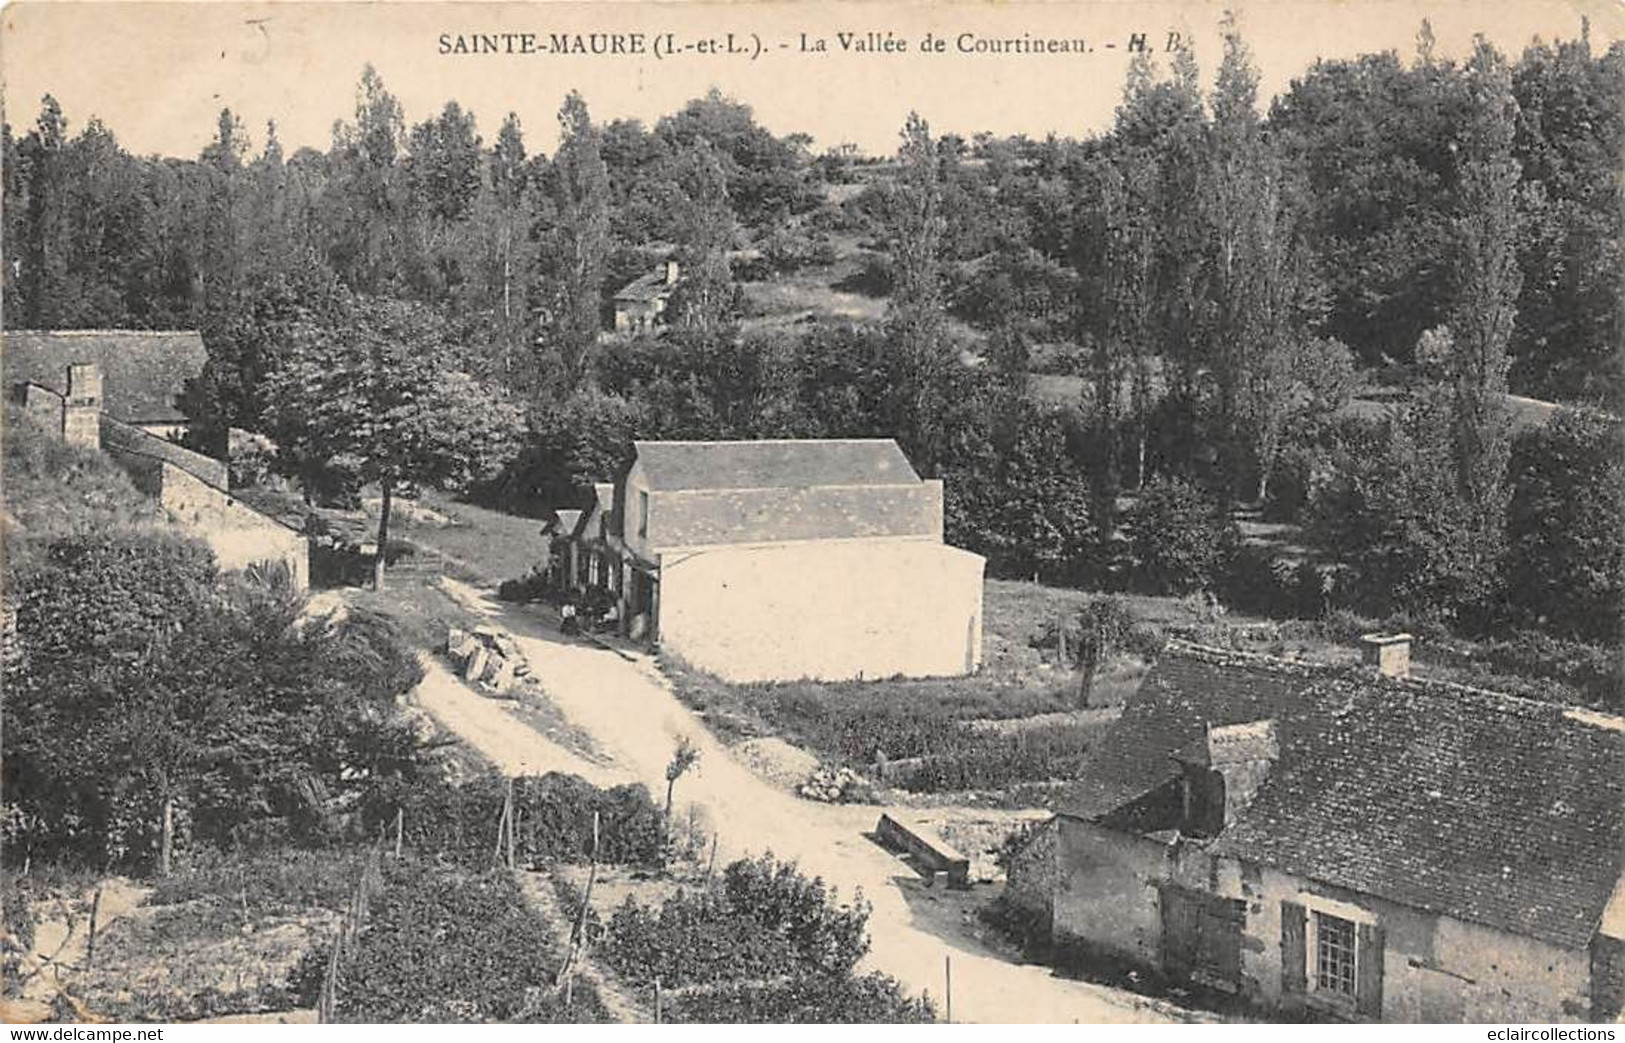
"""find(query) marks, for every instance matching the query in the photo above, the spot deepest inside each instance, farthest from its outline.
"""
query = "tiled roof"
(1471, 804)
(142, 370)
(778, 464)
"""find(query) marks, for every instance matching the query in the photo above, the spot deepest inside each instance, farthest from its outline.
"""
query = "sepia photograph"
(848, 511)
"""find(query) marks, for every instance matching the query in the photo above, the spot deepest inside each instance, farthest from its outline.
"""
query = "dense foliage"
(136, 679)
(449, 945)
(769, 944)
(457, 823)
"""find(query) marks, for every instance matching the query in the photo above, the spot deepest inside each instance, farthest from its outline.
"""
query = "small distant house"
(1347, 843)
(129, 412)
(640, 304)
(778, 560)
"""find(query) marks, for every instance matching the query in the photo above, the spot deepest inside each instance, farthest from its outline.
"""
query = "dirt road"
(635, 718)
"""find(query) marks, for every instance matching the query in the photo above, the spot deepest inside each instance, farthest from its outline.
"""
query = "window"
(643, 513)
(1334, 955)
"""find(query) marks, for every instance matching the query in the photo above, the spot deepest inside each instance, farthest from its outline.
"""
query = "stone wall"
(1107, 895)
(1033, 874)
(239, 535)
(1434, 968)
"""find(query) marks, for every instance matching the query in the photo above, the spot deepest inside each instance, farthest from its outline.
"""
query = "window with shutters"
(1335, 955)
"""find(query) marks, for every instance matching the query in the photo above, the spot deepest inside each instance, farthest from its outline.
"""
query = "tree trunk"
(383, 536)
(670, 785)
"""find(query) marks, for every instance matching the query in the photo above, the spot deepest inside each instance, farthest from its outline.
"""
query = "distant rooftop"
(774, 464)
(144, 371)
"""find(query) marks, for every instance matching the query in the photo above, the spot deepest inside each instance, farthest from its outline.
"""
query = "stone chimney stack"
(671, 273)
(82, 409)
(1389, 653)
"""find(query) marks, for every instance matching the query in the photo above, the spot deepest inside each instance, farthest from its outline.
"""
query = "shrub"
(445, 945)
(826, 936)
(1181, 541)
(872, 999)
(694, 939)
(530, 587)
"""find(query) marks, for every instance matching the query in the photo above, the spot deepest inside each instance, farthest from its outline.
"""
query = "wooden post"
(90, 944)
(166, 844)
(948, 986)
(657, 1001)
(1060, 640)
(400, 824)
(500, 854)
(513, 811)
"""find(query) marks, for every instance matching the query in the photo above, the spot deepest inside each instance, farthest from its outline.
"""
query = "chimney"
(82, 409)
(1389, 653)
(1222, 770)
(671, 273)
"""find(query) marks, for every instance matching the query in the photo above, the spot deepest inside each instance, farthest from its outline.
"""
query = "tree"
(577, 245)
(1392, 519)
(1488, 281)
(915, 318)
(683, 758)
(381, 389)
(1566, 563)
(149, 699)
(1182, 541)
(366, 210)
(705, 298)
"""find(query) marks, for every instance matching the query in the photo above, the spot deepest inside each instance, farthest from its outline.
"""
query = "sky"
(157, 74)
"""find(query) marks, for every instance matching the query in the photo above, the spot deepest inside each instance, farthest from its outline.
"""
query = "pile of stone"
(487, 657)
(835, 786)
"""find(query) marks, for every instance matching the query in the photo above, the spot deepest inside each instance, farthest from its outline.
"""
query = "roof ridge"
(762, 441)
(104, 331)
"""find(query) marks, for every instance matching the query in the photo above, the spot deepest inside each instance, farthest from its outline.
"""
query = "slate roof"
(1475, 805)
(776, 464)
(142, 370)
(740, 516)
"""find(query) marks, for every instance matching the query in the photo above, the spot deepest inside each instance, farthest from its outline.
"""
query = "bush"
(872, 999)
(694, 939)
(825, 936)
(531, 587)
(1181, 541)
(445, 945)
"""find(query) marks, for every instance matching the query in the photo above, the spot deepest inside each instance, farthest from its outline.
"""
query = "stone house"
(83, 406)
(779, 560)
(640, 304)
(1347, 844)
